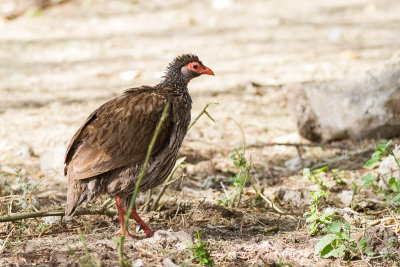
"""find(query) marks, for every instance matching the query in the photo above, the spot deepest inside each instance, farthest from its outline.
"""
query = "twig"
(204, 111)
(44, 230)
(166, 182)
(6, 240)
(146, 206)
(298, 145)
(226, 193)
(60, 213)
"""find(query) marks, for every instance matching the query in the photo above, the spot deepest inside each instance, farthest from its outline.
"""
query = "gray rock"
(168, 263)
(346, 196)
(388, 169)
(365, 106)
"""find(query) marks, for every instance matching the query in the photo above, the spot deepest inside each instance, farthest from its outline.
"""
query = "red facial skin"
(198, 68)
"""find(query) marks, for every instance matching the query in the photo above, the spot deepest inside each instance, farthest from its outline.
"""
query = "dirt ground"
(58, 64)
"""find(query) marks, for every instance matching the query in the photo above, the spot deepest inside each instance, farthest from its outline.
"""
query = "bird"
(107, 152)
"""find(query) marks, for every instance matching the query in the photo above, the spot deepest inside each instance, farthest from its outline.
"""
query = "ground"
(59, 64)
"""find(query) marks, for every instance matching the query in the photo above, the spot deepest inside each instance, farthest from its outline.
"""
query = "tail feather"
(74, 196)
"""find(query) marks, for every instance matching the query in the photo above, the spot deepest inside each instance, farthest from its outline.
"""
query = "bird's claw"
(119, 233)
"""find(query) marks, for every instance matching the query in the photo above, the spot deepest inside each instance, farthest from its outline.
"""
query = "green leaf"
(326, 250)
(327, 217)
(382, 147)
(324, 242)
(394, 185)
(396, 198)
(337, 252)
(373, 160)
(318, 171)
(334, 228)
(343, 236)
(312, 218)
(368, 179)
(347, 226)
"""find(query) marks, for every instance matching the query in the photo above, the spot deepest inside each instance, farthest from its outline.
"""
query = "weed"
(28, 188)
(316, 176)
(383, 150)
(89, 258)
(239, 180)
(281, 263)
(335, 244)
(338, 177)
(41, 227)
(316, 220)
(200, 251)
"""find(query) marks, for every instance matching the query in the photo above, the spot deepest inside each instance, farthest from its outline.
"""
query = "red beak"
(207, 71)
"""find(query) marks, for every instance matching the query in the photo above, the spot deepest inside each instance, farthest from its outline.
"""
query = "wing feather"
(118, 133)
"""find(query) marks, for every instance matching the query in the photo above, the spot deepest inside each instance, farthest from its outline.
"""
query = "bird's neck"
(177, 86)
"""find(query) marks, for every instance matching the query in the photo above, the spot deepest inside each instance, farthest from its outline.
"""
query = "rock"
(296, 164)
(346, 196)
(51, 220)
(292, 197)
(180, 240)
(138, 263)
(168, 263)
(365, 106)
(388, 169)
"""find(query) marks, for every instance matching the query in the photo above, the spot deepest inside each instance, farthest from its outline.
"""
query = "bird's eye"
(195, 66)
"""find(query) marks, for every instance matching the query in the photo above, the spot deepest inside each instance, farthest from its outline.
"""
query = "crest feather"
(182, 60)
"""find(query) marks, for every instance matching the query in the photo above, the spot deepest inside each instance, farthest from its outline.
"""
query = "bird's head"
(184, 68)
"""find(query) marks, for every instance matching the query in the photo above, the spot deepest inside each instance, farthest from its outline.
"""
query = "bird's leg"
(120, 208)
(143, 226)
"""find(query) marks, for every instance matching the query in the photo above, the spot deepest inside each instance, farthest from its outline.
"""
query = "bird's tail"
(75, 188)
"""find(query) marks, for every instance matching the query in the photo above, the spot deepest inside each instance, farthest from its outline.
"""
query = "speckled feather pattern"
(106, 154)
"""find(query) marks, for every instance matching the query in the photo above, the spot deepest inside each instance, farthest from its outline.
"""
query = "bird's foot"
(119, 233)
(147, 231)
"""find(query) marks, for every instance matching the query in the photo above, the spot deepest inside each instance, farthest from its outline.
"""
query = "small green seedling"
(338, 177)
(316, 220)
(315, 176)
(239, 180)
(201, 253)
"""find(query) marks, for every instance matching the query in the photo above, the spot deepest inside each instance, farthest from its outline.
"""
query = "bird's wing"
(118, 133)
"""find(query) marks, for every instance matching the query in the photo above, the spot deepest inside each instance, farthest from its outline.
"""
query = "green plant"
(239, 180)
(41, 227)
(201, 253)
(317, 220)
(281, 263)
(336, 243)
(28, 188)
(338, 176)
(315, 176)
(89, 257)
(383, 150)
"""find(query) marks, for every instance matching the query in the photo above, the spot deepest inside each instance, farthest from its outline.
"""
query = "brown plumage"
(106, 154)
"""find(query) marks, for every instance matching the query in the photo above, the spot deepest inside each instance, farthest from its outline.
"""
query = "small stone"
(168, 263)
(138, 263)
(346, 197)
